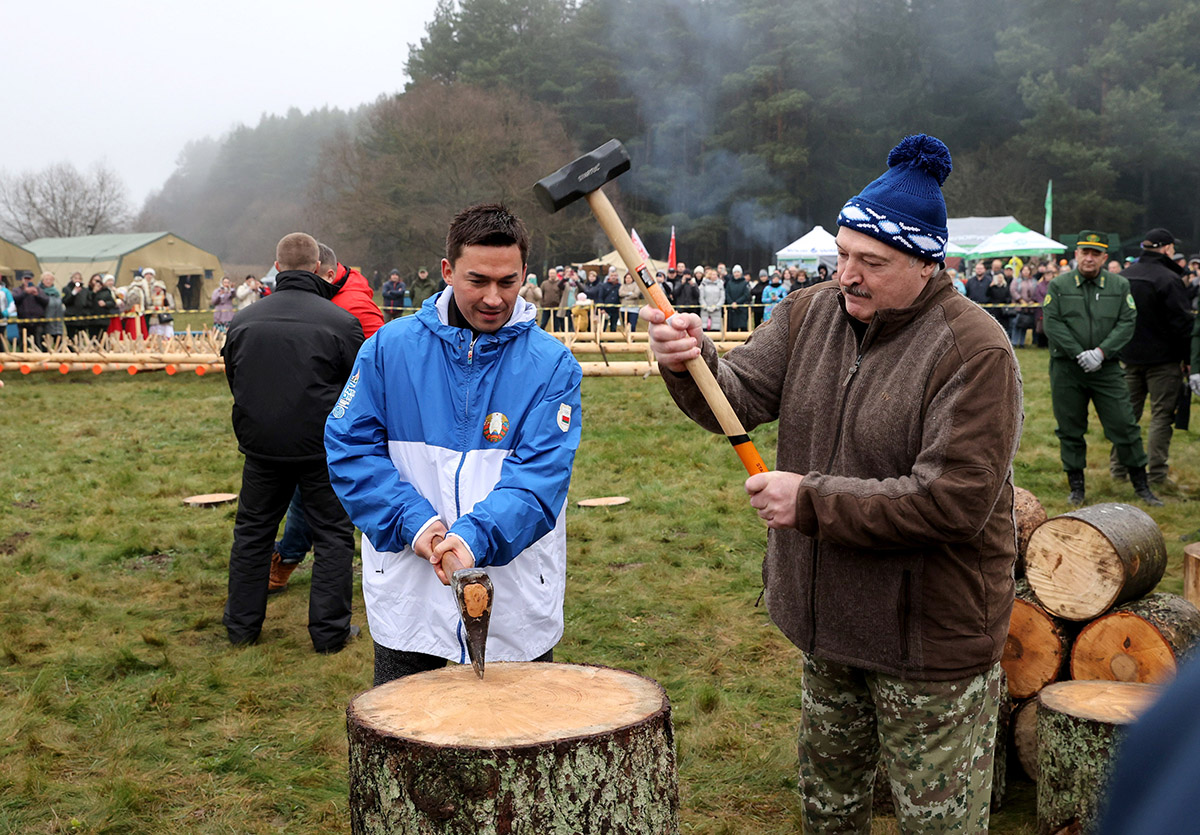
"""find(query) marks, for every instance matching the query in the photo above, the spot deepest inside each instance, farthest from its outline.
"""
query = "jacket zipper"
(837, 439)
(462, 458)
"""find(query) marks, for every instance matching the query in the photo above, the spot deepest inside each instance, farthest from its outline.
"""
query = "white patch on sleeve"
(564, 417)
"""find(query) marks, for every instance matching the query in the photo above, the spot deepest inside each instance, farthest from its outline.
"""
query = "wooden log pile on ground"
(1087, 611)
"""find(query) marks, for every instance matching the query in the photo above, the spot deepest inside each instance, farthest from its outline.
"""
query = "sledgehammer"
(583, 178)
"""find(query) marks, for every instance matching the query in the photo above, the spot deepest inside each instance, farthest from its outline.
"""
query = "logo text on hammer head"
(588, 173)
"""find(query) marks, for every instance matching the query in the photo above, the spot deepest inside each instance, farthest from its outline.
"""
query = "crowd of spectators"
(37, 312)
(1013, 291)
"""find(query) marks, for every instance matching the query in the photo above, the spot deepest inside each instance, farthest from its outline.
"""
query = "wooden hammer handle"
(610, 222)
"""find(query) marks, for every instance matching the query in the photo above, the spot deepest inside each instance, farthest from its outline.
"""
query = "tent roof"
(614, 259)
(1015, 239)
(813, 244)
(969, 231)
(94, 247)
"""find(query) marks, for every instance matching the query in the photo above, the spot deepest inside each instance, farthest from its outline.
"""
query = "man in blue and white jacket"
(452, 446)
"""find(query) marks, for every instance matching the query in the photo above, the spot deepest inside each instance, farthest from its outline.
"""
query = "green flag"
(1049, 209)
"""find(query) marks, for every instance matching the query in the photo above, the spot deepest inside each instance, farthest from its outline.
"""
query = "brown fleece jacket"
(902, 557)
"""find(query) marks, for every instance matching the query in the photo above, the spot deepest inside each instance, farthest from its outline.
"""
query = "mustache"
(856, 291)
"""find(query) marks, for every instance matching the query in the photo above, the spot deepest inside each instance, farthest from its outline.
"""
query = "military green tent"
(170, 256)
(16, 259)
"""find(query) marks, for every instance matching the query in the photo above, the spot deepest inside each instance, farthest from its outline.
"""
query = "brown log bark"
(1079, 724)
(1024, 737)
(1083, 563)
(1037, 648)
(1030, 515)
(530, 748)
(1143, 640)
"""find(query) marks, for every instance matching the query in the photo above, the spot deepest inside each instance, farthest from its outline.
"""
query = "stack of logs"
(1086, 616)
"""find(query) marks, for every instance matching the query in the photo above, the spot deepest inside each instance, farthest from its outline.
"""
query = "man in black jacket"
(1156, 356)
(287, 359)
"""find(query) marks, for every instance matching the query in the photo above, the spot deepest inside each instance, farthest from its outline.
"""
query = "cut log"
(1079, 724)
(1191, 573)
(1030, 515)
(1037, 648)
(531, 747)
(1083, 563)
(1143, 640)
(1024, 737)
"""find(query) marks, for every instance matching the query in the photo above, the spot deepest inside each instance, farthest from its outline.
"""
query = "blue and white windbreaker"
(480, 434)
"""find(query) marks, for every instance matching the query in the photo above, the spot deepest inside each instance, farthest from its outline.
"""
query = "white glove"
(1194, 382)
(1091, 360)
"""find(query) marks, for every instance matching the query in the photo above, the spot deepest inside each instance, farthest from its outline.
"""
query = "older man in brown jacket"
(891, 544)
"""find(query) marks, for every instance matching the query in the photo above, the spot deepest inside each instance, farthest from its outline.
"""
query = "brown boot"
(280, 572)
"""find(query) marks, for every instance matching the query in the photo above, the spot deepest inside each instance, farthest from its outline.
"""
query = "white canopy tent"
(815, 244)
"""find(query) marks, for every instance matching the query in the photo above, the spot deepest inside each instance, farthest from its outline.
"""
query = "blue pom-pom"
(928, 153)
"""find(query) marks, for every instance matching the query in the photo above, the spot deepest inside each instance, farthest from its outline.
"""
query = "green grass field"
(124, 710)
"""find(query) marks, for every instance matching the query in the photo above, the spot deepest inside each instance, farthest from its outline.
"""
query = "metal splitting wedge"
(583, 178)
(473, 593)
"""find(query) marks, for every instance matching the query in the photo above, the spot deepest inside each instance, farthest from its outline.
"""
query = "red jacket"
(354, 295)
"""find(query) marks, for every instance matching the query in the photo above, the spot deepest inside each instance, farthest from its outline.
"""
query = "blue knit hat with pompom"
(904, 207)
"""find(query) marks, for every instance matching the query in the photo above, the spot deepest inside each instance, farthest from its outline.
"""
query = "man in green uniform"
(1088, 316)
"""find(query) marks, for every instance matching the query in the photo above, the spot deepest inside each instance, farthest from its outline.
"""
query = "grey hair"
(326, 257)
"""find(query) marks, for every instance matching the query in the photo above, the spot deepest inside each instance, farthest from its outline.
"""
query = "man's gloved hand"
(1091, 360)
(1194, 383)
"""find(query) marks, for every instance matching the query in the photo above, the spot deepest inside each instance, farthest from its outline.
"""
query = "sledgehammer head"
(584, 175)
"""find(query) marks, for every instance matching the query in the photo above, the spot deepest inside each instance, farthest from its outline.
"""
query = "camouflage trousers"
(937, 739)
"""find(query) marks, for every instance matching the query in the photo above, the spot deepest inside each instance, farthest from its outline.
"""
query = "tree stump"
(1143, 640)
(1030, 515)
(1191, 573)
(1079, 724)
(1083, 563)
(531, 748)
(1037, 648)
(1024, 736)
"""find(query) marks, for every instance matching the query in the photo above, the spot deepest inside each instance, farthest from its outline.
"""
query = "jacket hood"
(435, 315)
(306, 281)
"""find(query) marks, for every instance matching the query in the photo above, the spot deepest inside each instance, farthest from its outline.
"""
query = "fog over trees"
(748, 122)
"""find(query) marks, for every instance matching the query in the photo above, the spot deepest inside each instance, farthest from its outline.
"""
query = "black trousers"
(267, 488)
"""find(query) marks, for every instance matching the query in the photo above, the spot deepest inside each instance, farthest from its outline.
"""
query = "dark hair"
(487, 224)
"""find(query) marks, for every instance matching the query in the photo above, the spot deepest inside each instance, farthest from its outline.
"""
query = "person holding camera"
(31, 302)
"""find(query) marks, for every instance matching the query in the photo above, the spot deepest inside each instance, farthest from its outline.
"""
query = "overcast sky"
(128, 83)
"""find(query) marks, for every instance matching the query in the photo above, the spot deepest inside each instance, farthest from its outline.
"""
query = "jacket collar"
(1161, 259)
(434, 314)
(305, 281)
(1098, 278)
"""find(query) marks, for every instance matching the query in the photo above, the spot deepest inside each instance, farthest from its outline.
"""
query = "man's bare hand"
(450, 555)
(433, 534)
(773, 495)
(673, 341)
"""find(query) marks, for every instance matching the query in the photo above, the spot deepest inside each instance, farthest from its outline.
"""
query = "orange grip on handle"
(751, 460)
(659, 298)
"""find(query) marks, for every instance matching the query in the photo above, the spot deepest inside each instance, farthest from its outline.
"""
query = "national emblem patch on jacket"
(564, 416)
(495, 427)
